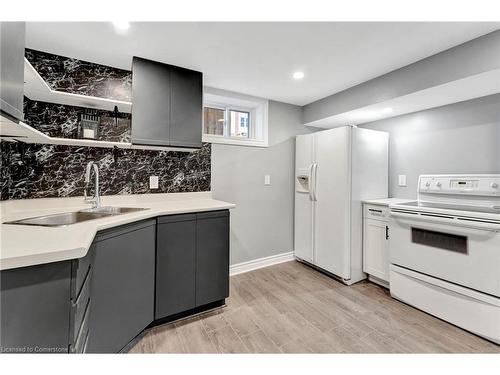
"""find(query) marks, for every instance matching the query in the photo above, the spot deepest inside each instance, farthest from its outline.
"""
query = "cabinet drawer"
(176, 218)
(79, 306)
(86, 344)
(79, 343)
(376, 212)
(80, 269)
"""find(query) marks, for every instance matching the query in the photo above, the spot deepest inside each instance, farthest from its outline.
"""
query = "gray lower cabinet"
(212, 257)
(45, 308)
(35, 308)
(192, 261)
(122, 292)
(81, 281)
(132, 275)
(175, 264)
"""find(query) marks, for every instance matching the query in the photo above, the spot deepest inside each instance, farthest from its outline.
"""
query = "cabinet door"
(35, 308)
(175, 264)
(12, 71)
(122, 291)
(375, 249)
(151, 102)
(212, 257)
(186, 108)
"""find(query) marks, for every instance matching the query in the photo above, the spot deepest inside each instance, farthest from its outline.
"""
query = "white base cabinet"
(376, 241)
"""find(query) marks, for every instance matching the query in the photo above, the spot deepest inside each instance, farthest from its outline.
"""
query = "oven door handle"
(435, 218)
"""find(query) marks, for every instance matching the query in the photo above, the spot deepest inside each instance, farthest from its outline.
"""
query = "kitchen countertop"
(23, 245)
(387, 201)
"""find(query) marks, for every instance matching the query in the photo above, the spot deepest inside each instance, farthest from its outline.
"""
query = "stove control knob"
(438, 184)
(494, 185)
(427, 184)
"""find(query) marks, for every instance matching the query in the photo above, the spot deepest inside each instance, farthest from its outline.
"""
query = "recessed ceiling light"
(298, 75)
(121, 26)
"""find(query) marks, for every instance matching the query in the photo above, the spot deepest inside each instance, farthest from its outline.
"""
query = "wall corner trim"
(255, 264)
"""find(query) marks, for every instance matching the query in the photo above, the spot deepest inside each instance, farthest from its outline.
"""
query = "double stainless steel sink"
(68, 218)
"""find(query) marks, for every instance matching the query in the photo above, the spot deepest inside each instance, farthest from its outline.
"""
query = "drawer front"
(79, 343)
(86, 344)
(79, 306)
(376, 212)
(476, 312)
(80, 269)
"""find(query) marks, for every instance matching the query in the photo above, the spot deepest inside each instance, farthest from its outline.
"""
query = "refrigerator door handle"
(314, 178)
(311, 193)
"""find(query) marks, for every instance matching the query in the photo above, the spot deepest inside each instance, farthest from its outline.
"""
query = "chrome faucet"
(96, 199)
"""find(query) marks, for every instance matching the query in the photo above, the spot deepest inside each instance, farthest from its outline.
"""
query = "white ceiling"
(259, 58)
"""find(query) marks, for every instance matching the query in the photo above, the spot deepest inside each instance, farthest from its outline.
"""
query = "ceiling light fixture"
(298, 75)
(121, 26)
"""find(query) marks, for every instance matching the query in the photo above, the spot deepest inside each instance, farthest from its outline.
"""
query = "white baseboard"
(251, 265)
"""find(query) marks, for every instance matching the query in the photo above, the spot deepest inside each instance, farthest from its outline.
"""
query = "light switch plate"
(267, 179)
(402, 180)
(153, 182)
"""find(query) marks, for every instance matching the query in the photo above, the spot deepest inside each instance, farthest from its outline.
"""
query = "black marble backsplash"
(48, 171)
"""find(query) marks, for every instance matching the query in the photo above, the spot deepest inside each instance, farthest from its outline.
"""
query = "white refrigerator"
(335, 170)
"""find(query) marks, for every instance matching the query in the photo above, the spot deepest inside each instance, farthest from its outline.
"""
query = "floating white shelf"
(13, 131)
(36, 88)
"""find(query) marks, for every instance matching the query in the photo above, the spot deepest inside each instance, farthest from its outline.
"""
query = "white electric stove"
(445, 251)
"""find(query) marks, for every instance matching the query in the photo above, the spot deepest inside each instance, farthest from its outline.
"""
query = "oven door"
(463, 251)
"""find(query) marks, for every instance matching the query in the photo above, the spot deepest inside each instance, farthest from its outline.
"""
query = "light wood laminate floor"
(291, 308)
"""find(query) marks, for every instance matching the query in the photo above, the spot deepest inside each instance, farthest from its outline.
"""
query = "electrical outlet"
(153, 182)
(402, 180)
(267, 179)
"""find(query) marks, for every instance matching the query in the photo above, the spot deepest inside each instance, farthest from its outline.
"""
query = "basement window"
(232, 118)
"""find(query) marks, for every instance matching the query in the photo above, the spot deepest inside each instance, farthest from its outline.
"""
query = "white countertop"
(387, 201)
(23, 245)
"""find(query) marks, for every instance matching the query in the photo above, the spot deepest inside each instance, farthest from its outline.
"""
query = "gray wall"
(457, 138)
(476, 56)
(262, 222)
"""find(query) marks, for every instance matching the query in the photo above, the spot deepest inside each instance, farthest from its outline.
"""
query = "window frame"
(250, 125)
(220, 108)
(227, 101)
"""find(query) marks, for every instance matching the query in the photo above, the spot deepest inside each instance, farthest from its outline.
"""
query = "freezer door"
(304, 206)
(304, 151)
(332, 212)
(304, 213)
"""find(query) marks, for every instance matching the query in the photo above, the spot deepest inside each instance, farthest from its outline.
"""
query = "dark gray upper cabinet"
(186, 107)
(12, 71)
(122, 291)
(166, 104)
